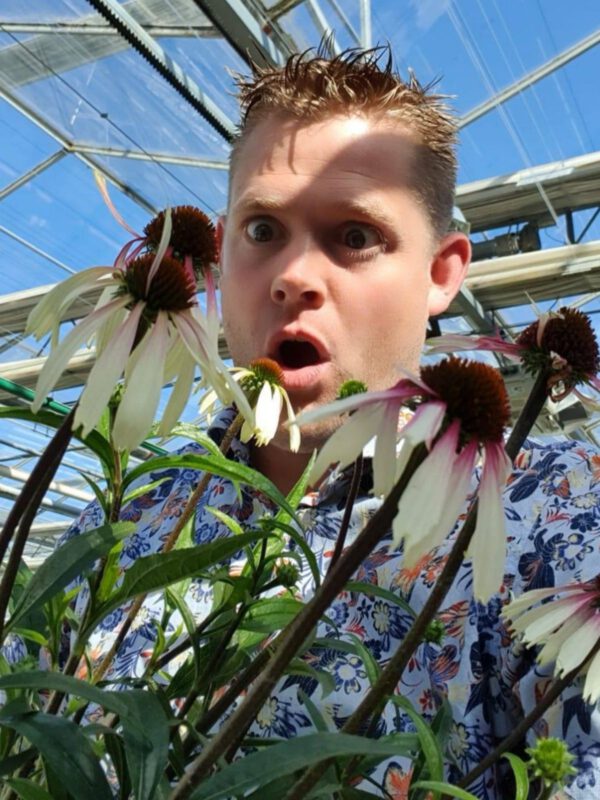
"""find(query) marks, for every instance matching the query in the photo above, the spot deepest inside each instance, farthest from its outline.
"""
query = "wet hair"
(312, 88)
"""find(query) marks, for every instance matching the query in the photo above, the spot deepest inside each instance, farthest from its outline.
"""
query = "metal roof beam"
(141, 155)
(51, 131)
(89, 29)
(31, 173)
(20, 476)
(137, 37)
(254, 39)
(530, 78)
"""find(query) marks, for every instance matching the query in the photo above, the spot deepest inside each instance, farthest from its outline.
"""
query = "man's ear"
(448, 269)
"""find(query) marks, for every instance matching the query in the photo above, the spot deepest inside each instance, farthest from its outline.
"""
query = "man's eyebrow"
(366, 208)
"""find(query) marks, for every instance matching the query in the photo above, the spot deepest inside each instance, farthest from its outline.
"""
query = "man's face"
(328, 257)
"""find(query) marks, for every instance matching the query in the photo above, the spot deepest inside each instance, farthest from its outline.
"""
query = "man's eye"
(360, 237)
(261, 230)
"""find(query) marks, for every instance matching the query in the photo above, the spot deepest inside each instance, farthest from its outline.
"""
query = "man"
(334, 252)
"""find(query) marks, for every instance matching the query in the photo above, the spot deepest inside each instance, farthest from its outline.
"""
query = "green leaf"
(157, 571)
(429, 744)
(28, 790)
(297, 493)
(100, 495)
(446, 788)
(519, 768)
(215, 465)
(378, 591)
(12, 763)
(145, 725)
(94, 441)
(288, 757)
(190, 431)
(65, 748)
(230, 523)
(268, 615)
(72, 559)
(317, 719)
(145, 489)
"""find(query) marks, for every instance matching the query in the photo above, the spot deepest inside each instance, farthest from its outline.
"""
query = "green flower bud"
(551, 761)
(434, 632)
(287, 574)
(348, 388)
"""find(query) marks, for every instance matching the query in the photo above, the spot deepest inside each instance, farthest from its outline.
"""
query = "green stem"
(226, 742)
(352, 494)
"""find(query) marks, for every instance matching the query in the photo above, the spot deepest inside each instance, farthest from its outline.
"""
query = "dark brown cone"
(172, 288)
(571, 336)
(193, 234)
(474, 393)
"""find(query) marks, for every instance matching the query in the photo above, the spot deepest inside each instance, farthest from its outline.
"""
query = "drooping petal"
(425, 424)
(537, 623)
(404, 390)
(422, 503)
(345, 444)
(516, 606)
(292, 424)
(48, 313)
(591, 689)
(267, 413)
(384, 460)
(180, 393)
(58, 360)
(106, 372)
(555, 641)
(161, 249)
(488, 545)
(578, 646)
(101, 184)
(142, 388)
(456, 342)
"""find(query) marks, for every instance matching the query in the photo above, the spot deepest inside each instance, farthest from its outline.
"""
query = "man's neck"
(281, 467)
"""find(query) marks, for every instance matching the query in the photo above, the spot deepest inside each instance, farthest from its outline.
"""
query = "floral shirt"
(552, 507)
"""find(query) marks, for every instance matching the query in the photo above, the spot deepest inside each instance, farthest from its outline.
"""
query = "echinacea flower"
(262, 384)
(461, 416)
(147, 326)
(568, 629)
(562, 342)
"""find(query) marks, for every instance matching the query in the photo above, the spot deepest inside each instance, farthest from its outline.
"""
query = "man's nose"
(299, 279)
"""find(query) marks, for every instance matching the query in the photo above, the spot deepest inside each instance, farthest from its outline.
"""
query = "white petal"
(161, 249)
(488, 545)
(425, 423)
(591, 689)
(423, 502)
(267, 413)
(578, 646)
(49, 311)
(555, 641)
(517, 606)
(142, 390)
(538, 623)
(58, 360)
(345, 444)
(179, 394)
(106, 372)
(291, 423)
(384, 460)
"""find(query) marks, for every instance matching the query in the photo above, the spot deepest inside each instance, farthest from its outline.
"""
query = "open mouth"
(297, 353)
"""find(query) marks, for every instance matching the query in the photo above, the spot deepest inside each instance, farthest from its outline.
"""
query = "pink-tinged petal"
(106, 372)
(161, 249)
(193, 336)
(138, 405)
(58, 360)
(347, 442)
(425, 424)
(516, 607)
(101, 184)
(536, 624)
(594, 381)
(488, 545)
(591, 689)
(126, 254)
(453, 342)
(579, 645)
(180, 392)
(384, 460)
(52, 307)
(422, 505)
